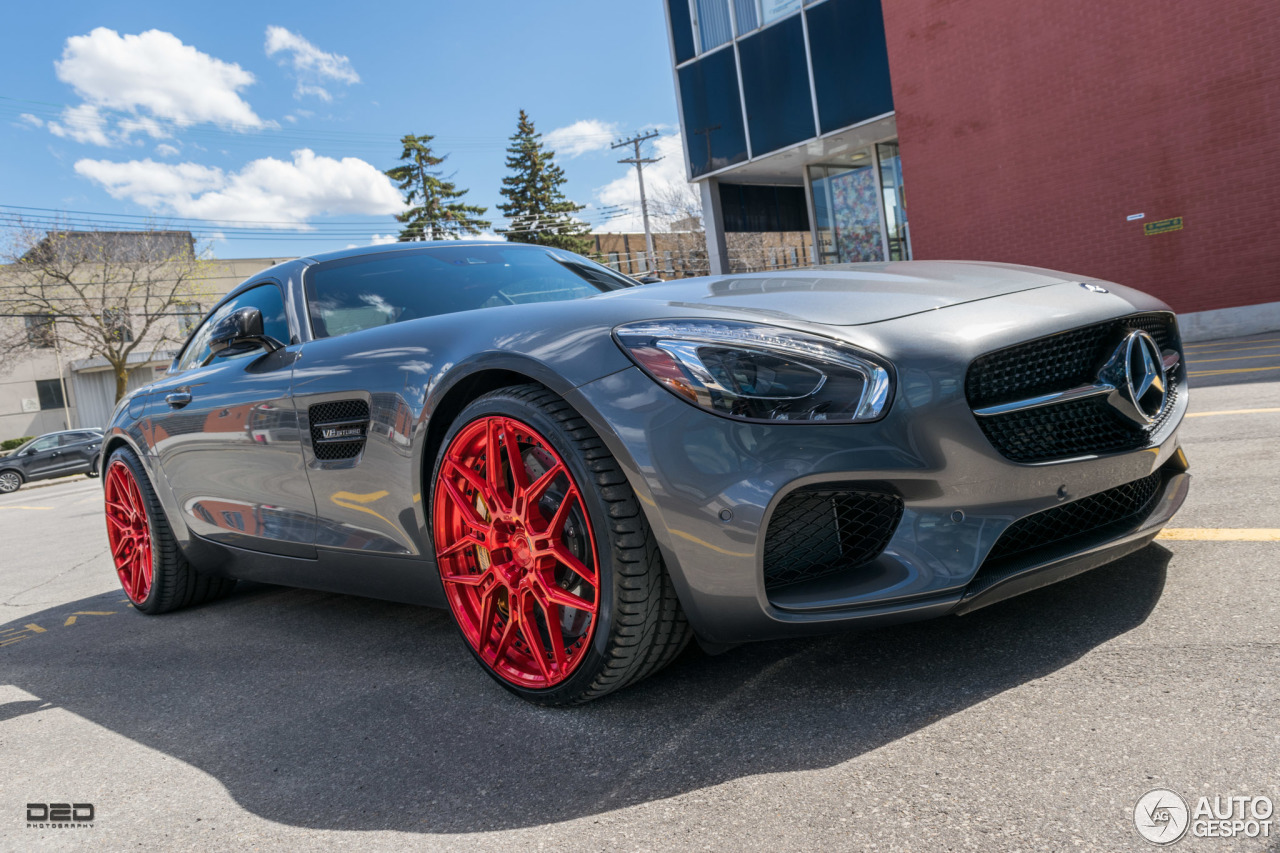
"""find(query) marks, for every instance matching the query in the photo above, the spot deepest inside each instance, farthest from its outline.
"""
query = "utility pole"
(644, 204)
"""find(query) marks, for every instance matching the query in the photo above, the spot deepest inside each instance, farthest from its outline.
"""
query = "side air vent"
(339, 429)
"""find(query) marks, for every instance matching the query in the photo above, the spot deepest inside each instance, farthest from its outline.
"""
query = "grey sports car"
(588, 473)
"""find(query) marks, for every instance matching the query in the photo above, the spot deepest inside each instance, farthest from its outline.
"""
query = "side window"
(49, 442)
(266, 298)
(73, 438)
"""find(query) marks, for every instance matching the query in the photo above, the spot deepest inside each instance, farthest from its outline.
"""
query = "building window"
(847, 44)
(668, 264)
(775, 9)
(895, 205)
(116, 323)
(613, 262)
(681, 30)
(714, 135)
(40, 330)
(50, 393)
(745, 15)
(775, 86)
(713, 23)
(847, 211)
(189, 315)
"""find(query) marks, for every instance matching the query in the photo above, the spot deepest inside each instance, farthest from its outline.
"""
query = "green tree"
(434, 212)
(537, 208)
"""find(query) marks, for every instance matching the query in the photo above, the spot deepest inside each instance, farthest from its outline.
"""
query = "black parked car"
(56, 454)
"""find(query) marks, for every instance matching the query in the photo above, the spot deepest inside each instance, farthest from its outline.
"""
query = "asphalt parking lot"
(286, 718)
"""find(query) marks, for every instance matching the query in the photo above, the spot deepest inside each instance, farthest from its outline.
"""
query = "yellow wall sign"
(1164, 226)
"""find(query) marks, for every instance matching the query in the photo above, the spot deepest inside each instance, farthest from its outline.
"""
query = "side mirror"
(241, 329)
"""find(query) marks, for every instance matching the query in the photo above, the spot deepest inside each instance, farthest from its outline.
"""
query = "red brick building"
(1137, 142)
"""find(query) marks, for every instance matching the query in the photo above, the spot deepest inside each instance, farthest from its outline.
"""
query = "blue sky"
(287, 112)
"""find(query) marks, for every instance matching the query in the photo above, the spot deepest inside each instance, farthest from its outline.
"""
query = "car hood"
(846, 294)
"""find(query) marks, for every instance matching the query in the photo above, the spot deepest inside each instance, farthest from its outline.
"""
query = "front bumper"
(709, 485)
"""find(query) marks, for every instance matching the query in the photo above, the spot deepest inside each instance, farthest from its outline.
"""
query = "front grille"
(340, 414)
(817, 532)
(1075, 428)
(1122, 506)
(1058, 363)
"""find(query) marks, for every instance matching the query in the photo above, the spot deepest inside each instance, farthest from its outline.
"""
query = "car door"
(42, 459)
(77, 449)
(225, 432)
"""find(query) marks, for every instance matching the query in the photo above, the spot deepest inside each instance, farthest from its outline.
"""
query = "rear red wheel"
(548, 564)
(516, 552)
(128, 531)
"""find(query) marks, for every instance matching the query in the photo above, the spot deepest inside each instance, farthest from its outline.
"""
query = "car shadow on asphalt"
(336, 712)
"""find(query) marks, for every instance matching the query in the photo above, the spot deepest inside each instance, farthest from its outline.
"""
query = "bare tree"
(678, 211)
(98, 293)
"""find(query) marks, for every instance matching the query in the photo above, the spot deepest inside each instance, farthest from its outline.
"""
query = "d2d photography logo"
(1163, 817)
(60, 815)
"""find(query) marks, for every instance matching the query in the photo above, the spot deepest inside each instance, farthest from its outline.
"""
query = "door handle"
(178, 399)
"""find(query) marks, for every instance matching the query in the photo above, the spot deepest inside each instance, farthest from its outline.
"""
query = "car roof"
(402, 247)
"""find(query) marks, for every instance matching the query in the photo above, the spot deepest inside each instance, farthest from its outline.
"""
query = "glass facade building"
(787, 116)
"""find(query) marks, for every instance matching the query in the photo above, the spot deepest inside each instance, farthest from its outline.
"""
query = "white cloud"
(661, 179)
(164, 149)
(83, 124)
(380, 239)
(283, 194)
(589, 134)
(313, 67)
(31, 120)
(155, 80)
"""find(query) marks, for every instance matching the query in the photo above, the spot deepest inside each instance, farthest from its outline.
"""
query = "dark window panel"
(755, 208)
(850, 62)
(713, 23)
(775, 82)
(681, 29)
(714, 136)
(50, 393)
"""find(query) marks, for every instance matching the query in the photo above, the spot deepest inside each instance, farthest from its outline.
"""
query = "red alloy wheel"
(516, 552)
(128, 531)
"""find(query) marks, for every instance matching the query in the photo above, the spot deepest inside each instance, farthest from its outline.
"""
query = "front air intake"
(339, 429)
(818, 532)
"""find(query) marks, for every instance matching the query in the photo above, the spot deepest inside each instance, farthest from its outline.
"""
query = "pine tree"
(537, 208)
(433, 213)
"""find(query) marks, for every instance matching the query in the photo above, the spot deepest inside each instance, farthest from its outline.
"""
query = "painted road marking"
(1233, 358)
(1232, 370)
(1201, 353)
(71, 620)
(17, 506)
(1232, 343)
(1221, 534)
(1230, 412)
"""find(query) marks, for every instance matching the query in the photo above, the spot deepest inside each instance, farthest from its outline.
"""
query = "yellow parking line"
(1222, 534)
(1200, 353)
(25, 507)
(1231, 343)
(1230, 370)
(1230, 412)
(1233, 358)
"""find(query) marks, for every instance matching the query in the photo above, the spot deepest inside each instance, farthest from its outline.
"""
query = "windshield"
(357, 293)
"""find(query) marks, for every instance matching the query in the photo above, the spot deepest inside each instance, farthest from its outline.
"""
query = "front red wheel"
(152, 569)
(128, 531)
(516, 552)
(548, 565)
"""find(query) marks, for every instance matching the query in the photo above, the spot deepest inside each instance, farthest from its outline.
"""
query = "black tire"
(175, 583)
(641, 626)
(93, 468)
(10, 481)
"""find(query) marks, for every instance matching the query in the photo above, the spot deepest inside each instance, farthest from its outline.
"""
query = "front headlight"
(759, 373)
